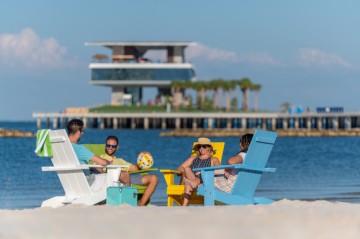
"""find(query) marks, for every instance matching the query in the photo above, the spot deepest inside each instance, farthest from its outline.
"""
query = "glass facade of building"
(142, 74)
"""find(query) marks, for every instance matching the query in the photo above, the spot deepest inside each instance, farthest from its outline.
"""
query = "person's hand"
(227, 172)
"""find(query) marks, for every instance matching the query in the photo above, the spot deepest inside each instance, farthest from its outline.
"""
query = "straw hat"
(202, 141)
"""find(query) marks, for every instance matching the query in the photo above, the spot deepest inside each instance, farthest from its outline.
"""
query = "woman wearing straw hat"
(203, 158)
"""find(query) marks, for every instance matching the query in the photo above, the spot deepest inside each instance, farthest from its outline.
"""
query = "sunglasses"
(111, 146)
(203, 146)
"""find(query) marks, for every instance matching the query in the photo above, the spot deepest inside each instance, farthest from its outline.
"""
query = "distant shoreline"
(238, 133)
(5, 133)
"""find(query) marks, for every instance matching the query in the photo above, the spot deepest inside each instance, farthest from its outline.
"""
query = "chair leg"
(170, 202)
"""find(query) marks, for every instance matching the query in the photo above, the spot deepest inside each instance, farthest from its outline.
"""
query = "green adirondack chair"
(99, 149)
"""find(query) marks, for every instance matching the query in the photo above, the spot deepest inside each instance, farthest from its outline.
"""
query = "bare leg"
(187, 194)
(191, 182)
(151, 182)
(189, 174)
(125, 178)
(190, 179)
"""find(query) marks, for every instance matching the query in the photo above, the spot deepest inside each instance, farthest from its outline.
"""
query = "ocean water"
(324, 168)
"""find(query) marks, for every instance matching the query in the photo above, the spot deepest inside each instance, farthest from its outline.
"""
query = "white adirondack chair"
(71, 174)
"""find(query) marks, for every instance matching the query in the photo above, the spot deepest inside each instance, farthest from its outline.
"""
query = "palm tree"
(200, 88)
(245, 84)
(187, 85)
(256, 88)
(285, 106)
(228, 86)
(213, 85)
(197, 87)
(216, 85)
(176, 85)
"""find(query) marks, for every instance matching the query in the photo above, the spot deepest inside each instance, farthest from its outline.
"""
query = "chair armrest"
(144, 171)
(81, 167)
(255, 170)
(240, 167)
(214, 168)
(169, 175)
(171, 171)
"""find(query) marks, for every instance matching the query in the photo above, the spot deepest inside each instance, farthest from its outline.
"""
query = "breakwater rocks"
(238, 133)
(15, 133)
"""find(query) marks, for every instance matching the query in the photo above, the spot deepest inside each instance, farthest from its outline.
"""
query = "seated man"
(96, 179)
(112, 145)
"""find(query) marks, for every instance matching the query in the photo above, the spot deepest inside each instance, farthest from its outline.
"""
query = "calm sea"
(307, 168)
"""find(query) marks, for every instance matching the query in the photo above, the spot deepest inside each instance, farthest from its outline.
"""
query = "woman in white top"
(225, 179)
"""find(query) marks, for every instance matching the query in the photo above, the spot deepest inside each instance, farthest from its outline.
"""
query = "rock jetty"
(15, 133)
(237, 133)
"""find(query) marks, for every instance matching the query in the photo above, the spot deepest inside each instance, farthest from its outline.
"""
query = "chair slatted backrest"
(256, 157)
(74, 182)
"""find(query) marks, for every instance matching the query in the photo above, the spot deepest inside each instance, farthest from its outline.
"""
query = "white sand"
(283, 219)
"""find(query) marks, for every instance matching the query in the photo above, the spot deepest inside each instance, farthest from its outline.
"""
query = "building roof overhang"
(146, 44)
(129, 83)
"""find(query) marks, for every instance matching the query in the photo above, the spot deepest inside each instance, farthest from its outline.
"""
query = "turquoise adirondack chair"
(248, 177)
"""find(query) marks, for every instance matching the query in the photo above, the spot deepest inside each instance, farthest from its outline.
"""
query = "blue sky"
(303, 52)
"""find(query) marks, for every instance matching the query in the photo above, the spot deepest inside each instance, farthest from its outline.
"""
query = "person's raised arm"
(215, 161)
(100, 161)
(235, 159)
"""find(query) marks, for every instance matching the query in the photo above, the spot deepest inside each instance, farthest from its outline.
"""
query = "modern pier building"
(129, 69)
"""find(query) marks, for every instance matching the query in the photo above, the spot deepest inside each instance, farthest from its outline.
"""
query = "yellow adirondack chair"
(175, 191)
(99, 149)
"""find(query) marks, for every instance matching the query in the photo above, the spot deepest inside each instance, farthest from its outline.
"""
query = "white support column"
(285, 123)
(102, 123)
(243, 123)
(210, 123)
(319, 123)
(163, 123)
(133, 123)
(228, 124)
(264, 123)
(38, 123)
(308, 123)
(146, 123)
(273, 124)
(85, 122)
(194, 124)
(296, 123)
(177, 123)
(348, 123)
(115, 123)
(335, 123)
(55, 123)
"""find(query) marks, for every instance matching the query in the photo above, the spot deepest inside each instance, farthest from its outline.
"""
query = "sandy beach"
(283, 219)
